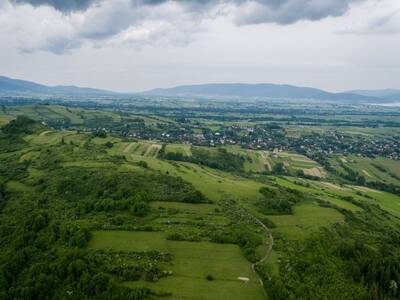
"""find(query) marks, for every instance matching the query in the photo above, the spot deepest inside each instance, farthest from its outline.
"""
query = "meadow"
(192, 263)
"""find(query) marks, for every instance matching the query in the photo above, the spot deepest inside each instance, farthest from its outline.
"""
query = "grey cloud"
(61, 5)
(107, 19)
(290, 11)
(279, 11)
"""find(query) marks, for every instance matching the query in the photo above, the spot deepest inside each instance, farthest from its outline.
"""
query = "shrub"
(209, 278)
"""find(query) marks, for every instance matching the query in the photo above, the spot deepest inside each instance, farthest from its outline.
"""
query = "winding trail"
(269, 237)
(270, 245)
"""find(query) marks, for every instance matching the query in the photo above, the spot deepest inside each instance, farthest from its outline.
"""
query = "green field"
(306, 219)
(192, 262)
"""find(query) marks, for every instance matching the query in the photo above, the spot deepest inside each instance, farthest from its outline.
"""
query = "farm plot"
(255, 160)
(373, 169)
(294, 162)
(135, 149)
(48, 137)
(192, 263)
(179, 148)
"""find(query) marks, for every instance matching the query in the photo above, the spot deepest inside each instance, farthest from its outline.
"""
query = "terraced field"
(373, 169)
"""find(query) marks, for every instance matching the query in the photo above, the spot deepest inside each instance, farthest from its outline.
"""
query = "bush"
(74, 235)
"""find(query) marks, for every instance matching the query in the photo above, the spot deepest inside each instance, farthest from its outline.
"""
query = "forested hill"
(265, 90)
(16, 86)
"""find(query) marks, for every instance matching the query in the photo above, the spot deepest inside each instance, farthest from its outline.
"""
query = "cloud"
(61, 25)
(372, 17)
(288, 11)
(60, 5)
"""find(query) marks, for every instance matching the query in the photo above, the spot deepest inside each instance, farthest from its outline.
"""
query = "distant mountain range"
(9, 86)
(388, 94)
(16, 86)
(265, 90)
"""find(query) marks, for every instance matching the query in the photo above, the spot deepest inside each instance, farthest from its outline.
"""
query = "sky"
(135, 45)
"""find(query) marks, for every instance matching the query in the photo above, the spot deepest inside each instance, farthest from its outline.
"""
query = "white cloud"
(374, 17)
(111, 22)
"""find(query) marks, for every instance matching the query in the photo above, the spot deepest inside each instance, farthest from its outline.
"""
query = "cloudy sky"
(133, 45)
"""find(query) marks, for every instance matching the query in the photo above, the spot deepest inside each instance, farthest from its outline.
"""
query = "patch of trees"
(12, 169)
(387, 187)
(73, 235)
(178, 236)
(109, 190)
(2, 195)
(279, 169)
(44, 254)
(11, 144)
(101, 133)
(279, 200)
(245, 238)
(20, 125)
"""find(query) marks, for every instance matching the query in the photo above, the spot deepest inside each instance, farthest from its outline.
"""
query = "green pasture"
(306, 219)
(192, 262)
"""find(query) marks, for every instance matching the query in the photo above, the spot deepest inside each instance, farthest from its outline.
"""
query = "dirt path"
(268, 236)
(44, 133)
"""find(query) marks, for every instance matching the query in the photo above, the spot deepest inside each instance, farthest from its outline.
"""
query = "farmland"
(159, 206)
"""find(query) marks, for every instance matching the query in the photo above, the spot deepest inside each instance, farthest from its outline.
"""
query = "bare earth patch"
(317, 172)
(366, 173)
(365, 189)
(129, 147)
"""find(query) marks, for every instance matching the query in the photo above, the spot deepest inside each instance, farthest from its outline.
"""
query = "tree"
(21, 124)
(279, 168)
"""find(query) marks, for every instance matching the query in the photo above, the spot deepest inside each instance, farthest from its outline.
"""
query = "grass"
(306, 219)
(4, 120)
(387, 201)
(179, 148)
(192, 262)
